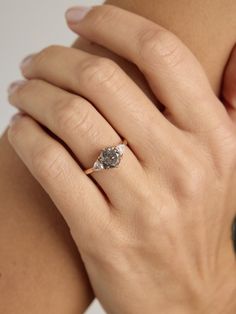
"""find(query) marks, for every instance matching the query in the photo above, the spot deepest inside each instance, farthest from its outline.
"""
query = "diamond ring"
(110, 157)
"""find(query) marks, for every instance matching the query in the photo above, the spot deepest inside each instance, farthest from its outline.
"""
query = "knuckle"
(100, 72)
(194, 179)
(74, 117)
(104, 255)
(103, 15)
(197, 178)
(143, 196)
(161, 45)
(48, 163)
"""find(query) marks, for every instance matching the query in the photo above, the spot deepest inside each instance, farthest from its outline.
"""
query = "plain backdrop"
(27, 26)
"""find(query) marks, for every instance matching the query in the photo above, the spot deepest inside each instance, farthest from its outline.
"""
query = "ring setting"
(110, 157)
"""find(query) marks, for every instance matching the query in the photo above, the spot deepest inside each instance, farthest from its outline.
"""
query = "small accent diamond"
(98, 165)
(121, 148)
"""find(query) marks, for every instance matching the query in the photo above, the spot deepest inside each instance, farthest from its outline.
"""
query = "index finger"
(174, 74)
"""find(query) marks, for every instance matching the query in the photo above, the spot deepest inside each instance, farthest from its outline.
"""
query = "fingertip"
(15, 125)
(76, 14)
(25, 64)
(13, 87)
(15, 118)
(12, 128)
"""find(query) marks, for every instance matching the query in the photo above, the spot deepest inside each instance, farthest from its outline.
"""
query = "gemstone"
(98, 166)
(121, 148)
(110, 157)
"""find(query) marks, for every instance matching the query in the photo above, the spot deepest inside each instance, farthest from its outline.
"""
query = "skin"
(30, 207)
(40, 258)
(151, 204)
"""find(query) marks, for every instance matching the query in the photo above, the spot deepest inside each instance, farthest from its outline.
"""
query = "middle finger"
(108, 87)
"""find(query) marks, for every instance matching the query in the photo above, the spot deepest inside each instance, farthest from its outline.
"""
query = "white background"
(27, 26)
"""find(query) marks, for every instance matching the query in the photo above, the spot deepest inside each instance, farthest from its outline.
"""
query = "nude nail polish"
(26, 61)
(16, 117)
(15, 85)
(76, 14)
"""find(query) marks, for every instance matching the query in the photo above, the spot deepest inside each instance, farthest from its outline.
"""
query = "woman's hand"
(155, 233)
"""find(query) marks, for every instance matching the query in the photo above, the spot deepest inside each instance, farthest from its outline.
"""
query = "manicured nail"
(76, 14)
(26, 61)
(16, 117)
(15, 85)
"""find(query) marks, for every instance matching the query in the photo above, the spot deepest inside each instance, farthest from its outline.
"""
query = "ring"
(110, 157)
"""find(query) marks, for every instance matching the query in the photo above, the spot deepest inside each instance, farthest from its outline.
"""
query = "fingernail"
(15, 85)
(76, 14)
(15, 118)
(26, 61)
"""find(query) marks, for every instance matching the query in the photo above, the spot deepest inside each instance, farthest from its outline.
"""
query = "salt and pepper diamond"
(110, 157)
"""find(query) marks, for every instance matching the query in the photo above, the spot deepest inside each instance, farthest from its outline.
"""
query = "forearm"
(40, 268)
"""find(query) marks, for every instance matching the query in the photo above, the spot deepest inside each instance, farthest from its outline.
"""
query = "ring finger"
(83, 129)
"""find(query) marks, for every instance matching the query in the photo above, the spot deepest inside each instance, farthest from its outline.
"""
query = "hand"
(155, 233)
